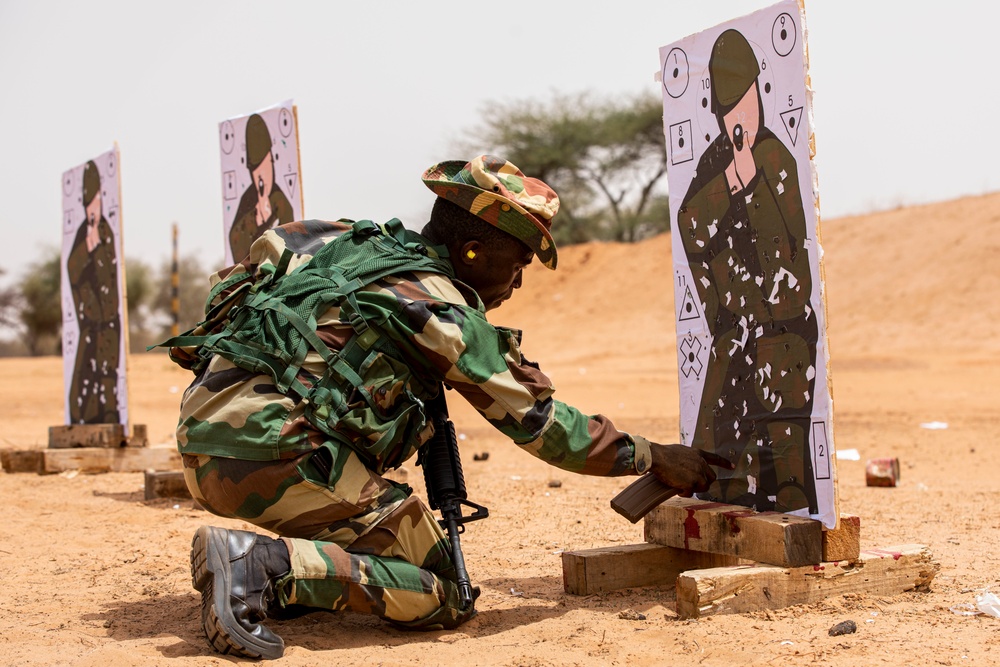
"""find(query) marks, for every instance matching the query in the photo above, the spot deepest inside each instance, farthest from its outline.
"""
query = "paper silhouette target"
(752, 352)
(95, 331)
(261, 176)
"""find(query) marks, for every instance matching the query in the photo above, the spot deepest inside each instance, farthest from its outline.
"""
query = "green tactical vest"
(267, 324)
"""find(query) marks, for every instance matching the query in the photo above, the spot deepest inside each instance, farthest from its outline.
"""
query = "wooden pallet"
(762, 560)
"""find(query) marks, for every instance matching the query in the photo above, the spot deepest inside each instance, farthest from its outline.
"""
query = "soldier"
(92, 271)
(743, 230)
(263, 205)
(295, 440)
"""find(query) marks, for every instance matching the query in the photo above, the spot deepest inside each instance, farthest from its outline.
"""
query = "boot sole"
(211, 575)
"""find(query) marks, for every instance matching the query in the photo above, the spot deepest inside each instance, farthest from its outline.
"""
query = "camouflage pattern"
(93, 282)
(249, 447)
(357, 541)
(496, 191)
(440, 328)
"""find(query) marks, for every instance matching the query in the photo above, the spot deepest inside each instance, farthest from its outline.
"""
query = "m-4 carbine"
(446, 490)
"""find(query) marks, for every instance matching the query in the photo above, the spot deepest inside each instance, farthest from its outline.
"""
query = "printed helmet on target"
(91, 182)
(258, 141)
(733, 69)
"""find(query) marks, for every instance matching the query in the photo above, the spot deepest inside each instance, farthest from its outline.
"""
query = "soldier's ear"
(471, 252)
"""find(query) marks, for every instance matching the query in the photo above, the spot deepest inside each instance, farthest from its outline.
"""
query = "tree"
(8, 305)
(605, 158)
(192, 293)
(41, 313)
(139, 290)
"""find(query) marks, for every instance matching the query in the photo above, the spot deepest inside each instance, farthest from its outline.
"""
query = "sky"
(905, 101)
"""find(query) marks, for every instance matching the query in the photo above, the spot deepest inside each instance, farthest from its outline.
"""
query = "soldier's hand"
(686, 469)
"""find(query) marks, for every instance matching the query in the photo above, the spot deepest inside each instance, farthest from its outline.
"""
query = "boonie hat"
(496, 191)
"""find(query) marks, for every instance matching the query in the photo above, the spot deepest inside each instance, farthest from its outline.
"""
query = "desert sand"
(94, 575)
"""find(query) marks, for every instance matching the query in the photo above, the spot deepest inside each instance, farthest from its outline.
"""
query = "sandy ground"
(94, 575)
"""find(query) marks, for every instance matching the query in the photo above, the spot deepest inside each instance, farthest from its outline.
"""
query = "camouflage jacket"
(439, 326)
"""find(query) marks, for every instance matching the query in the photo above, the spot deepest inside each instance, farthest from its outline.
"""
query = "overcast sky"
(906, 101)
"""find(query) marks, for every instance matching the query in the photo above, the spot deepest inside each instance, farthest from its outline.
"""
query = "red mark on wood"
(731, 517)
(881, 553)
(817, 568)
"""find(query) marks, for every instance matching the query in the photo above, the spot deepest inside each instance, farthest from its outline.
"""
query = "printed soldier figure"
(317, 377)
(92, 271)
(263, 205)
(744, 230)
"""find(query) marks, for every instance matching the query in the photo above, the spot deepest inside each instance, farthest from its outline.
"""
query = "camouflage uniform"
(358, 541)
(746, 255)
(93, 281)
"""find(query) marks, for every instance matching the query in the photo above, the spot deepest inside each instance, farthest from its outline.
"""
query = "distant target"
(227, 137)
(783, 34)
(285, 122)
(676, 75)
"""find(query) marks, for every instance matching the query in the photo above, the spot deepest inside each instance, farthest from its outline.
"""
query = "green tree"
(192, 292)
(41, 313)
(605, 158)
(139, 289)
(8, 305)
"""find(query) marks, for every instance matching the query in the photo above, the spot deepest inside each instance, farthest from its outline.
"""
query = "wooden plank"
(102, 459)
(843, 542)
(21, 460)
(165, 484)
(888, 571)
(87, 435)
(630, 566)
(732, 530)
(139, 437)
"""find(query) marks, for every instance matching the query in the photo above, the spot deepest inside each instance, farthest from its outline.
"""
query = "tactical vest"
(266, 323)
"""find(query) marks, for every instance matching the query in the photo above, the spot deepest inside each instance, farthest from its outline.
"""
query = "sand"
(95, 575)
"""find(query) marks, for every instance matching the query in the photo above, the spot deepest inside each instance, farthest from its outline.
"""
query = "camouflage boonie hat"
(91, 182)
(496, 191)
(258, 141)
(733, 68)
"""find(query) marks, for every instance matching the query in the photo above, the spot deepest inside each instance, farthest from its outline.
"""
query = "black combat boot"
(235, 571)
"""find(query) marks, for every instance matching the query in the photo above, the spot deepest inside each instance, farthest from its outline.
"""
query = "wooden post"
(165, 484)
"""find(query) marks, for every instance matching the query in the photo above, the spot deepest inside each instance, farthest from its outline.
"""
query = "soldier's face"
(495, 272)
(93, 209)
(263, 177)
(743, 121)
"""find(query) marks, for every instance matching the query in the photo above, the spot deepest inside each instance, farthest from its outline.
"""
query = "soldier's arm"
(485, 365)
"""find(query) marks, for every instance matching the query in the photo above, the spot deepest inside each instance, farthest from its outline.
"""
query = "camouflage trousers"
(357, 541)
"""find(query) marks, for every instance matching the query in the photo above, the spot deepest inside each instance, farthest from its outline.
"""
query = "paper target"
(751, 326)
(676, 73)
